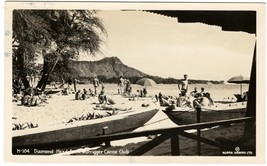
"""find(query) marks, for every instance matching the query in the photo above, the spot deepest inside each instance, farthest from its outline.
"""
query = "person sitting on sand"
(144, 92)
(90, 93)
(18, 96)
(35, 99)
(102, 98)
(84, 94)
(26, 99)
(140, 93)
(78, 95)
(32, 97)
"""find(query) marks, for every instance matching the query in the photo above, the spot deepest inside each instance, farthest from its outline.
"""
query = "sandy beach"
(61, 108)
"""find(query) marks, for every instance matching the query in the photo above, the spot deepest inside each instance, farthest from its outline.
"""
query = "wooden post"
(198, 132)
(175, 145)
(107, 143)
(251, 103)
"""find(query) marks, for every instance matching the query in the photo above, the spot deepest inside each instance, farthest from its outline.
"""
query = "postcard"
(109, 82)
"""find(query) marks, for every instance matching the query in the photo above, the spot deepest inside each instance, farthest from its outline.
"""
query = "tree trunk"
(22, 72)
(43, 81)
(46, 72)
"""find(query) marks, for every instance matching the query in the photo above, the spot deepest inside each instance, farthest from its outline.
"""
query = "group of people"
(125, 87)
(194, 99)
(102, 97)
(200, 99)
(82, 95)
(30, 97)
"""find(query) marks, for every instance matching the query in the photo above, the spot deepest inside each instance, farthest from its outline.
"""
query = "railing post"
(107, 143)
(175, 145)
(198, 109)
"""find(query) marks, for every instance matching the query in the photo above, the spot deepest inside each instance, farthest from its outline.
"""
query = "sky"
(160, 46)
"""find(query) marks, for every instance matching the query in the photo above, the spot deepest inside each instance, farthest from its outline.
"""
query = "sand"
(61, 108)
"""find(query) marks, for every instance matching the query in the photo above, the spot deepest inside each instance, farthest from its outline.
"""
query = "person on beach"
(102, 98)
(96, 84)
(183, 100)
(121, 85)
(194, 92)
(32, 97)
(36, 99)
(202, 100)
(17, 96)
(245, 96)
(163, 100)
(26, 97)
(17, 85)
(202, 91)
(75, 81)
(90, 92)
(144, 92)
(183, 85)
(84, 94)
(78, 95)
(128, 88)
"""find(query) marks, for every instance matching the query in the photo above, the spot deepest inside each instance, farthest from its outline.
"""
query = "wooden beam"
(175, 145)
(251, 103)
(198, 110)
(150, 145)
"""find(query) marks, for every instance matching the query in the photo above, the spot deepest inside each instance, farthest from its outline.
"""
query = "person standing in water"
(183, 85)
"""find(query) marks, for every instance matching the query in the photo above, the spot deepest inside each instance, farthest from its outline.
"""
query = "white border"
(154, 159)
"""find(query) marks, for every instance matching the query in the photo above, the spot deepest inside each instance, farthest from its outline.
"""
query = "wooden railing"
(164, 134)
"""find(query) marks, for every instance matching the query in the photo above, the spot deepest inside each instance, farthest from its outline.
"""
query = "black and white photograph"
(121, 80)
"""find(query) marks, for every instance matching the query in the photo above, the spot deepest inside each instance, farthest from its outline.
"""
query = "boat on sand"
(183, 116)
(125, 121)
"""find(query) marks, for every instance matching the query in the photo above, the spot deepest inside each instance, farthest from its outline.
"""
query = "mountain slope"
(109, 67)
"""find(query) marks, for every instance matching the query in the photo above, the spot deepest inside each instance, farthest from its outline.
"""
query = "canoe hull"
(190, 117)
(82, 130)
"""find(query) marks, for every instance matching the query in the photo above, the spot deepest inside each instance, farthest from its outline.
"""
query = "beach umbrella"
(146, 82)
(239, 80)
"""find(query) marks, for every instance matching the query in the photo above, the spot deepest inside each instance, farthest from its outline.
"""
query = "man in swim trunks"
(183, 85)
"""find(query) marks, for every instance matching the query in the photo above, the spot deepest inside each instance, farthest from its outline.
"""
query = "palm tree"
(56, 35)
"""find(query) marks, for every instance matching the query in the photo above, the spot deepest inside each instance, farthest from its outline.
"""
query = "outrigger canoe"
(182, 116)
(125, 121)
